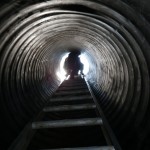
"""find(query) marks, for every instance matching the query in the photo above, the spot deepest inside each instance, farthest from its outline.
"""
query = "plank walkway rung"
(69, 107)
(72, 88)
(71, 92)
(71, 98)
(73, 85)
(67, 123)
(86, 148)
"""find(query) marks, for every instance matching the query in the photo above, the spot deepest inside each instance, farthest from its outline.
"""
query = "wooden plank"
(69, 107)
(71, 98)
(72, 92)
(86, 148)
(67, 123)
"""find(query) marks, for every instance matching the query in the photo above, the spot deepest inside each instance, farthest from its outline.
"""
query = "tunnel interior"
(114, 37)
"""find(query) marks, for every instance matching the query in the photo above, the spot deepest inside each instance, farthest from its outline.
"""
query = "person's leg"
(72, 75)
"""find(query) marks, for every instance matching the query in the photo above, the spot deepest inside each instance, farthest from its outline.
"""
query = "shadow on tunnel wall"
(115, 34)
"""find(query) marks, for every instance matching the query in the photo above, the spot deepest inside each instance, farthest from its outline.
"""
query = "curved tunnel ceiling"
(113, 36)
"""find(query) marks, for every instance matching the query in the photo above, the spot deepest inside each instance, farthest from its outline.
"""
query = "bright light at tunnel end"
(61, 72)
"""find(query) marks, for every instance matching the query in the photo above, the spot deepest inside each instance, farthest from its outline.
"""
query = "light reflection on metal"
(61, 73)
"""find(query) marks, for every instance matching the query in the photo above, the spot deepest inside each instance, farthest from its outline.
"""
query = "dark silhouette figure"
(73, 64)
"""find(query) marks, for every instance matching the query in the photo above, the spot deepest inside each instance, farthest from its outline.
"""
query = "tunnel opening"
(114, 36)
(61, 73)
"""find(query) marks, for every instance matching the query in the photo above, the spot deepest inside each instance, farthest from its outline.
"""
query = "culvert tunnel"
(114, 36)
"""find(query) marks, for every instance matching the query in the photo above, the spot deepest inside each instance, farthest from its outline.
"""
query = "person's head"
(75, 52)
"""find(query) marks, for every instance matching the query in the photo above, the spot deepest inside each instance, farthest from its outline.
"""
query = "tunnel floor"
(73, 135)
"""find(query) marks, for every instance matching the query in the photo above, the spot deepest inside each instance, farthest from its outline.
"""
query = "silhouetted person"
(73, 64)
